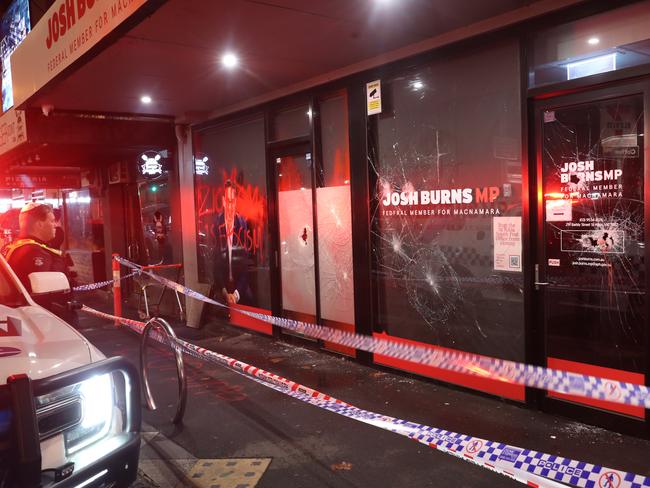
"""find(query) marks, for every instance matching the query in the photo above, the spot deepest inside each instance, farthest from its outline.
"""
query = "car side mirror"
(43, 282)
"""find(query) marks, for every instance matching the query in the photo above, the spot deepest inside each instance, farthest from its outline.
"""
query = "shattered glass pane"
(449, 137)
(592, 158)
(296, 222)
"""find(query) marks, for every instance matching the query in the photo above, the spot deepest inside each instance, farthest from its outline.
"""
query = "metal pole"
(117, 289)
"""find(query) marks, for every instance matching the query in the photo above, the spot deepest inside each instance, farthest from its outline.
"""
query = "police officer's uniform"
(28, 255)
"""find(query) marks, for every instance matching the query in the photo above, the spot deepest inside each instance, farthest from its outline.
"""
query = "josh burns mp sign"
(441, 202)
(69, 29)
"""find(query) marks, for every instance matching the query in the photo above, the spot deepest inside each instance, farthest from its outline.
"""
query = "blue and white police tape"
(102, 284)
(492, 368)
(524, 465)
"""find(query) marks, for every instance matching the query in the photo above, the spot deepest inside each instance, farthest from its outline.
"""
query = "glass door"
(590, 270)
(155, 218)
(311, 214)
(296, 231)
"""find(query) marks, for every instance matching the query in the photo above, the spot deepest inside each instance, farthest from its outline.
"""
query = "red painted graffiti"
(249, 203)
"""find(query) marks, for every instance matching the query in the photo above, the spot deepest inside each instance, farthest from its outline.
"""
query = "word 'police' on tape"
(490, 368)
(526, 466)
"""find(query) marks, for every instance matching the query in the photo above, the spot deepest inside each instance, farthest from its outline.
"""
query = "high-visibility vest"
(8, 250)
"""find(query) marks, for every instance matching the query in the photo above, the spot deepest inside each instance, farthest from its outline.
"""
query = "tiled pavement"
(165, 464)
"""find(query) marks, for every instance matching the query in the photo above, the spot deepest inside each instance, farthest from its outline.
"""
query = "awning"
(63, 140)
(70, 31)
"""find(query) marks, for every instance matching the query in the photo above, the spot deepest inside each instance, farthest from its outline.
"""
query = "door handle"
(537, 282)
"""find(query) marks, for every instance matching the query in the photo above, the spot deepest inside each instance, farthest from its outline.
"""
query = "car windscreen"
(10, 295)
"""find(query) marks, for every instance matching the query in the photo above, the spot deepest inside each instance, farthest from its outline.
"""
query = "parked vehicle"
(69, 417)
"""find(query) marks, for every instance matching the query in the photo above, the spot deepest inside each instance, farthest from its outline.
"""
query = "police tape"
(526, 466)
(555, 380)
(102, 284)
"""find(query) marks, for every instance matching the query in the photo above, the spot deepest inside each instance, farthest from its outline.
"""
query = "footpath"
(237, 433)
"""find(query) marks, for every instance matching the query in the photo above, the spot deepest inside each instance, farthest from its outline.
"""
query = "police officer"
(30, 253)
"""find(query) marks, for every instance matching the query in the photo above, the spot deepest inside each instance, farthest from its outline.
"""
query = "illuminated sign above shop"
(150, 164)
(201, 166)
(67, 31)
(43, 180)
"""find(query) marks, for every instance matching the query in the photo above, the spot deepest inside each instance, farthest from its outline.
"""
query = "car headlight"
(97, 404)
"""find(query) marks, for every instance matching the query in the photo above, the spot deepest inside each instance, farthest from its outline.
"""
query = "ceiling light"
(418, 85)
(229, 60)
(593, 41)
(145, 99)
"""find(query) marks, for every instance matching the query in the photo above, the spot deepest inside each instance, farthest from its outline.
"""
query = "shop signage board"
(201, 167)
(373, 97)
(152, 164)
(68, 181)
(68, 30)
(13, 130)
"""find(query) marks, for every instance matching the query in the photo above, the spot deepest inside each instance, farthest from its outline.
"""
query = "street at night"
(324, 243)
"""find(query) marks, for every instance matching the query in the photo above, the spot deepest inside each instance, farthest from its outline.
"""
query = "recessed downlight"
(592, 41)
(229, 60)
(146, 99)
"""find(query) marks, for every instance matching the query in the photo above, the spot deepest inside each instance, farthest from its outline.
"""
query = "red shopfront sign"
(68, 181)
(67, 31)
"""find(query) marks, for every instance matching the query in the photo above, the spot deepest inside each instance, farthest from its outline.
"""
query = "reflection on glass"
(291, 123)
(334, 140)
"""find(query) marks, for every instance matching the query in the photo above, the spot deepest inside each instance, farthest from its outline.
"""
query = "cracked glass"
(592, 163)
(445, 163)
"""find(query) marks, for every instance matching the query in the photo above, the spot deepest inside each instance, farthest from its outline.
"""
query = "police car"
(69, 417)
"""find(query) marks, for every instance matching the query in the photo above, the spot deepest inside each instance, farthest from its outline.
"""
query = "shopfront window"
(291, 123)
(232, 228)
(334, 213)
(446, 204)
(610, 41)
